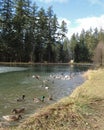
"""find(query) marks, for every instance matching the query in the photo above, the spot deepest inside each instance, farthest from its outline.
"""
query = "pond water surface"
(16, 81)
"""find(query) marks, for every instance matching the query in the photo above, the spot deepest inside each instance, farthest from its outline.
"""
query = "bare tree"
(99, 54)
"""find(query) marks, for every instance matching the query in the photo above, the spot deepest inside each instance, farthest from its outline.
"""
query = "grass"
(83, 110)
(93, 87)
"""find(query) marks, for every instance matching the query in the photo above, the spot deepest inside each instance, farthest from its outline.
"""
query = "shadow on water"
(55, 80)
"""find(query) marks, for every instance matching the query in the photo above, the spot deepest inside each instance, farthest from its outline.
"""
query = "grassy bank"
(83, 110)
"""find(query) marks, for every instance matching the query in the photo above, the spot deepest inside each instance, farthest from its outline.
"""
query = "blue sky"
(79, 14)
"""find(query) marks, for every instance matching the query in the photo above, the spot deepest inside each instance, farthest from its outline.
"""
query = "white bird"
(46, 88)
(33, 76)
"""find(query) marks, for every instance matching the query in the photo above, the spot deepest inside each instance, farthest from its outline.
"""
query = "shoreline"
(81, 106)
(83, 109)
(31, 63)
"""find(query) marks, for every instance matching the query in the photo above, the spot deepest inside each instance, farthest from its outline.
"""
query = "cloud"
(49, 1)
(86, 24)
(97, 2)
(91, 22)
(65, 19)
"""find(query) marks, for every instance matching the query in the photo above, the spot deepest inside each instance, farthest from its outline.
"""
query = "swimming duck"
(36, 76)
(50, 97)
(17, 111)
(46, 88)
(12, 117)
(42, 98)
(39, 99)
(21, 99)
(36, 100)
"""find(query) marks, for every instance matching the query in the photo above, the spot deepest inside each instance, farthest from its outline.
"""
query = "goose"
(21, 99)
(17, 111)
(12, 117)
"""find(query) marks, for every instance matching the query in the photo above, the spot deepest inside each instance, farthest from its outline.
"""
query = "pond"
(55, 80)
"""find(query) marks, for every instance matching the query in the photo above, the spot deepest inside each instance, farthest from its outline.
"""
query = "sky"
(78, 14)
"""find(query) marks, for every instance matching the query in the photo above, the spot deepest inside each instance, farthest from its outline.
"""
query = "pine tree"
(6, 15)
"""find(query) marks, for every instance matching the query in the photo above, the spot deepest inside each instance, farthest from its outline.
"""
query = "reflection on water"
(9, 69)
(18, 81)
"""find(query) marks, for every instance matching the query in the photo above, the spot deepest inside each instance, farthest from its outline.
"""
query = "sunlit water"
(16, 81)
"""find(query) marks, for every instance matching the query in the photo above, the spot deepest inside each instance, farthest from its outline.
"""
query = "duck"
(46, 88)
(17, 111)
(42, 98)
(36, 76)
(50, 97)
(36, 100)
(12, 117)
(21, 99)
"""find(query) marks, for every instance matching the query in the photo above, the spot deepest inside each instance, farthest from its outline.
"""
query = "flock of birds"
(61, 76)
(16, 113)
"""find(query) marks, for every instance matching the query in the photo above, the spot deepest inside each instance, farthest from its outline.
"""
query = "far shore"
(43, 63)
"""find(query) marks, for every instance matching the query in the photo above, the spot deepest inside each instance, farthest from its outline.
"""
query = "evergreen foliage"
(85, 47)
(32, 34)
(29, 34)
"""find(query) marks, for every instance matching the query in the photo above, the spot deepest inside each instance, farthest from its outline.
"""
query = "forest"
(29, 33)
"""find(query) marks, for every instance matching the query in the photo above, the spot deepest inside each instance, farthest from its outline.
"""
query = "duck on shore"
(12, 117)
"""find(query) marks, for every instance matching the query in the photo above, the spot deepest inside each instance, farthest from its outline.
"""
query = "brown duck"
(12, 117)
(17, 111)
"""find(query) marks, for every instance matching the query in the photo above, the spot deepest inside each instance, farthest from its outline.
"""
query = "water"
(16, 81)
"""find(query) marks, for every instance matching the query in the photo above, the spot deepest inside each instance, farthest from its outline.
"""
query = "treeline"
(88, 46)
(29, 33)
(32, 34)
